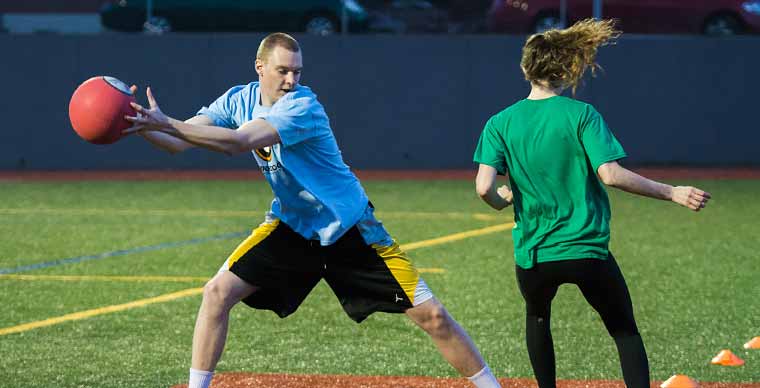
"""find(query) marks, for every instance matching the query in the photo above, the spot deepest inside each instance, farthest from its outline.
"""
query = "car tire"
(157, 25)
(722, 25)
(321, 24)
(546, 21)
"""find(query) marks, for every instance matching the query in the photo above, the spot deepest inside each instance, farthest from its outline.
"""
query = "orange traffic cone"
(727, 358)
(679, 381)
(753, 343)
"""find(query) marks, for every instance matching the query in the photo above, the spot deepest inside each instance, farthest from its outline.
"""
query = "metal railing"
(597, 11)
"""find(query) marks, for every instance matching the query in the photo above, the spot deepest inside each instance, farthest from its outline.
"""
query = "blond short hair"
(277, 39)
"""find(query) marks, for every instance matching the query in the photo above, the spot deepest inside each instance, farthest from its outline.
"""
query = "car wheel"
(321, 25)
(722, 25)
(157, 25)
(546, 22)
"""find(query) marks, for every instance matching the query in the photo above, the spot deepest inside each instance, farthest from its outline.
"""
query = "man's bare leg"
(453, 342)
(220, 294)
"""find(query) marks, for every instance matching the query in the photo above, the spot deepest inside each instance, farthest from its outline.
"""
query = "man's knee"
(215, 295)
(222, 292)
(435, 320)
(622, 329)
(541, 311)
(538, 319)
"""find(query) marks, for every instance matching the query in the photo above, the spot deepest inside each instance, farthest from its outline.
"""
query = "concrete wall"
(395, 102)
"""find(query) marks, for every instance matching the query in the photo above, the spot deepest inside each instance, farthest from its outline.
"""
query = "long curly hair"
(559, 58)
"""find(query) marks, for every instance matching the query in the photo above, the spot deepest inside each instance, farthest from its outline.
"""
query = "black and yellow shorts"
(285, 267)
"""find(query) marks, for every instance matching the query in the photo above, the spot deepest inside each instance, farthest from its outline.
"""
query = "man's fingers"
(133, 89)
(691, 197)
(151, 99)
(701, 193)
(130, 130)
(137, 107)
(697, 192)
(137, 118)
(696, 196)
(700, 196)
(694, 202)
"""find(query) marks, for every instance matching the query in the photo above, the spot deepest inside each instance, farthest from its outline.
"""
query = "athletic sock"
(199, 378)
(484, 379)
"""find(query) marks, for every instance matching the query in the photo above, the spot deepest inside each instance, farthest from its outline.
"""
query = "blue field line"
(122, 252)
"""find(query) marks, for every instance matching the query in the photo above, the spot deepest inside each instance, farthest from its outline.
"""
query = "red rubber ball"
(97, 109)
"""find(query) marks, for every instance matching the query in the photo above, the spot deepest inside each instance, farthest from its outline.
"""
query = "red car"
(710, 17)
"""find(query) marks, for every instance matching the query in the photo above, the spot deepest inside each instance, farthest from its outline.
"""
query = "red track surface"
(251, 380)
(655, 173)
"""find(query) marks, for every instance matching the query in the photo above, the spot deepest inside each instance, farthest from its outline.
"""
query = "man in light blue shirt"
(320, 226)
(321, 206)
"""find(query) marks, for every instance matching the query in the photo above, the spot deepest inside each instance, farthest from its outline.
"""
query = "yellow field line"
(100, 311)
(458, 236)
(131, 212)
(477, 216)
(107, 278)
(231, 213)
(79, 278)
(195, 291)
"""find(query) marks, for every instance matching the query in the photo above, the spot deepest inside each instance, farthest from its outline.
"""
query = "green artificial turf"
(693, 278)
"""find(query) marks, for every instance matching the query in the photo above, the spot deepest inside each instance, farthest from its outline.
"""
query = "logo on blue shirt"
(264, 153)
(270, 169)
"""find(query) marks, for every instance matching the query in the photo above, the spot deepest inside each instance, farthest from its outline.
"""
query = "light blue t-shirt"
(315, 192)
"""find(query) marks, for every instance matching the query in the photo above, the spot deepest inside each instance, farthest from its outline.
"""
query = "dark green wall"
(395, 102)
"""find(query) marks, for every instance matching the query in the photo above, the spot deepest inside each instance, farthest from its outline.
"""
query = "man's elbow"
(607, 175)
(233, 145)
(229, 149)
(482, 191)
(238, 147)
(608, 179)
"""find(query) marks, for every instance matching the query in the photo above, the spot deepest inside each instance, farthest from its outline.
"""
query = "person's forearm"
(631, 182)
(165, 142)
(486, 187)
(172, 144)
(214, 138)
(494, 200)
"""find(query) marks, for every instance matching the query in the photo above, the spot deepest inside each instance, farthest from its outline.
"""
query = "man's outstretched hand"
(151, 119)
(691, 197)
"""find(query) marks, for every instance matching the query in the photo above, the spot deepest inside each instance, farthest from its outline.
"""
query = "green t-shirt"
(552, 149)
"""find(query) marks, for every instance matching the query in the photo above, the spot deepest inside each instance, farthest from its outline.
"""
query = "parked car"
(406, 16)
(710, 17)
(50, 16)
(468, 16)
(427, 16)
(321, 17)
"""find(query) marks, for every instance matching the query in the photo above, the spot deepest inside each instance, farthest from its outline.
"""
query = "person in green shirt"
(559, 153)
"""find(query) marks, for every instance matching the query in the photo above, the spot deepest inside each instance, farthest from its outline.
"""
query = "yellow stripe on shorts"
(400, 266)
(257, 236)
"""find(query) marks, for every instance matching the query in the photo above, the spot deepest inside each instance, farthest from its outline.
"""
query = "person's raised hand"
(505, 193)
(690, 197)
(150, 119)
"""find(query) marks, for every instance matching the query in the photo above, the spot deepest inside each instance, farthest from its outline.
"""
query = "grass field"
(69, 247)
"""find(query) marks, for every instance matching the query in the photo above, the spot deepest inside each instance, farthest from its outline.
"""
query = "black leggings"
(603, 286)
